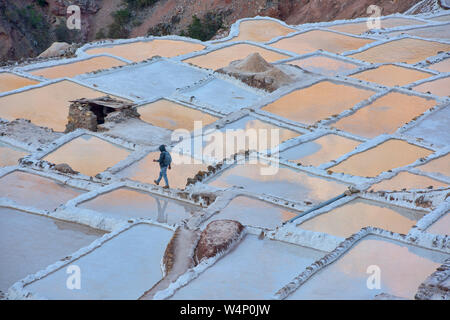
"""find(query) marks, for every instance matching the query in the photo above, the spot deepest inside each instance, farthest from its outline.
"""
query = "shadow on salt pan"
(253, 212)
(31, 242)
(437, 32)
(351, 217)
(146, 81)
(255, 269)
(223, 96)
(122, 268)
(441, 227)
(127, 203)
(402, 269)
(35, 191)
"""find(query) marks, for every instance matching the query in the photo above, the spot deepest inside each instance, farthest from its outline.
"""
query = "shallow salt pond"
(384, 115)
(442, 18)
(324, 65)
(390, 154)
(35, 191)
(321, 150)
(442, 66)
(440, 165)
(318, 39)
(122, 268)
(73, 69)
(440, 87)
(128, 203)
(222, 57)
(357, 214)
(253, 212)
(10, 81)
(318, 102)
(172, 116)
(362, 27)
(273, 264)
(138, 51)
(31, 242)
(391, 75)
(438, 32)
(145, 170)
(404, 50)
(441, 226)
(88, 155)
(46, 106)
(280, 182)
(9, 155)
(403, 268)
(261, 30)
(408, 181)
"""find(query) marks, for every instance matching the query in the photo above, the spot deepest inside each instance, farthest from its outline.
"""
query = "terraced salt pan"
(122, 268)
(440, 87)
(442, 18)
(321, 150)
(318, 39)
(281, 182)
(318, 102)
(221, 58)
(144, 81)
(351, 217)
(273, 264)
(391, 75)
(437, 32)
(406, 180)
(172, 116)
(362, 27)
(403, 268)
(9, 156)
(433, 128)
(253, 212)
(440, 165)
(261, 30)
(88, 155)
(442, 226)
(32, 242)
(390, 154)
(34, 191)
(222, 96)
(404, 50)
(385, 115)
(324, 65)
(127, 203)
(73, 69)
(442, 66)
(46, 106)
(147, 171)
(142, 50)
(10, 81)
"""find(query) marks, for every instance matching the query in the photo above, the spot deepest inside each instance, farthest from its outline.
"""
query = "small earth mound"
(257, 72)
(217, 237)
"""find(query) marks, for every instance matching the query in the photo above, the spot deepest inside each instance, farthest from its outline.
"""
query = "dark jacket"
(163, 157)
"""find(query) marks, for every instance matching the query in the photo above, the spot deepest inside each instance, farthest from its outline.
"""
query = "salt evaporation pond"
(324, 65)
(261, 30)
(9, 155)
(403, 268)
(31, 242)
(124, 203)
(253, 212)
(273, 264)
(391, 75)
(440, 165)
(362, 27)
(279, 181)
(433, 128)
(437, 32)
(441, 226)
(123, 268)
(88, 154)
(11, 81)
(408, 181)
(357, 214)
(442, 66)
(439, 87)
(35, 191)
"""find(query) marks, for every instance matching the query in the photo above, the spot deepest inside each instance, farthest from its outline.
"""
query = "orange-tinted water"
(442, 226)
(324, 65)
(10, 81)
(391, 75)
(138, 51)
(385, 115)
(318, 102)
(361, 27)
(406, 180)
(439, 165)
(261, 30)
(9, 156)
(440, 87)
(388, 155)
(442, 66)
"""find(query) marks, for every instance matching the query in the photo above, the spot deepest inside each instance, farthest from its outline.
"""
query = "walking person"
(165, 161)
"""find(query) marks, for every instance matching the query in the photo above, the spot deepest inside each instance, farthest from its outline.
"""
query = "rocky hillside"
(29, 27)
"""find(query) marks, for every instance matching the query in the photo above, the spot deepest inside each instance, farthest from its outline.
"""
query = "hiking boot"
(156, 182)
(166, 187)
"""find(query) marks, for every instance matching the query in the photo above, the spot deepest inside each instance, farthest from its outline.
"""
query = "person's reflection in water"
(162, 214)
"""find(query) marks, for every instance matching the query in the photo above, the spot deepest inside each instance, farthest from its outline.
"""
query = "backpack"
(167, 160)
